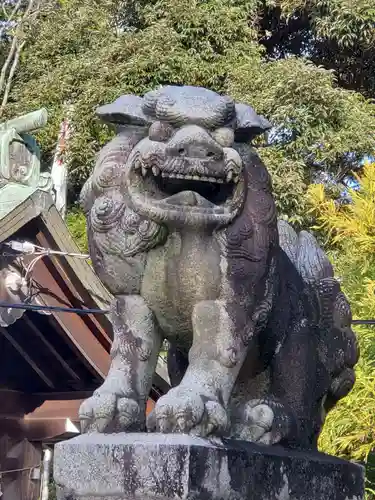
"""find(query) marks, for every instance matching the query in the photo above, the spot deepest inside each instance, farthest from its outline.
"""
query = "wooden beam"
(59, 233)
(15, 404)
(77, 284)
(27, 210)
(64, 396)
(59, 358)
(50, 430)
(18, 459)
(76, 300)
(27, 358)
(75, 329)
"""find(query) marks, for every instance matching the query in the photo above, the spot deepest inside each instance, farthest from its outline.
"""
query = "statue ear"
(249, 124)
(126, 110)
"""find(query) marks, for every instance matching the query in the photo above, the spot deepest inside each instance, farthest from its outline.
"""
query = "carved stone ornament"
(19, 152)
(183, 231)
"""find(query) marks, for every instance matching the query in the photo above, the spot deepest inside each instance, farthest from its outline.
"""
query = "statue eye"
(160, 131)
(224, 136)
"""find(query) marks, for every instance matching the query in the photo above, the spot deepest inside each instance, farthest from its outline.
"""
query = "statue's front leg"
(198, 405)
(120, 403)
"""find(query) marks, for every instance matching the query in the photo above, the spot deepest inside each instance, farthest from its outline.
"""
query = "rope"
(2, 472)
(73, 310)
(27, 248)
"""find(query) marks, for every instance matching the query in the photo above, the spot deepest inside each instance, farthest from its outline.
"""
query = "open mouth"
(166, 193)
(211, 189)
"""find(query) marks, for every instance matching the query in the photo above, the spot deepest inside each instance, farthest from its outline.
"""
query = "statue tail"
(305, 253)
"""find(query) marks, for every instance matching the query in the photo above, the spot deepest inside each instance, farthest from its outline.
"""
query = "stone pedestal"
(176, 467)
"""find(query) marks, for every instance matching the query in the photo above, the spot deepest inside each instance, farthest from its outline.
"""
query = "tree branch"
(15, 10)
(11, 75)
(28, 9)
(13, 47)
(14, 51)
(5, 12)
(8, 60)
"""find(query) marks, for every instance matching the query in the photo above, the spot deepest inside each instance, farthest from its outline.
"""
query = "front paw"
(108, 412)
(185, 410)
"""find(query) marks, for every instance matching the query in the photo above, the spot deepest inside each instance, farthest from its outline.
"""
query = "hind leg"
(284, 410)
(265, 420)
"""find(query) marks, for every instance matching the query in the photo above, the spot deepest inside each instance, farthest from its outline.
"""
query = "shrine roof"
(13, 195)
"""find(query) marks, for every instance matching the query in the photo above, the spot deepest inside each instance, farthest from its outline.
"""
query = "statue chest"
(184, 271)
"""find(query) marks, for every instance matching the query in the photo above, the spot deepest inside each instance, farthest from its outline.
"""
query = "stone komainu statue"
(183, 231)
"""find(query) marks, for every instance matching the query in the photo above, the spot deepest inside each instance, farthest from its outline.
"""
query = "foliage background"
(308, 65)
(350, 233)
(277, 56)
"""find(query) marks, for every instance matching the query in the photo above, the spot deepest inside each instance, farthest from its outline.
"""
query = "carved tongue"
(188, 198)
(183, 198)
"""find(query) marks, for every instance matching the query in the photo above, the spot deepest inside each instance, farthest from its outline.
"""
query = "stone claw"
(97, 412)
(217, 419)
(128, 414)
(185, 411)
(105, 411)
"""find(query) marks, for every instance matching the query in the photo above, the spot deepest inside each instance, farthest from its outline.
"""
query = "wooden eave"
(40, 204)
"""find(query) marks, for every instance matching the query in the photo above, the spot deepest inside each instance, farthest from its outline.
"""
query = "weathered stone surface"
(20, 155)
(176, 466)
(183, 231)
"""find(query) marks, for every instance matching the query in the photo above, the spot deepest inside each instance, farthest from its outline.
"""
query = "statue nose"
(194, 142)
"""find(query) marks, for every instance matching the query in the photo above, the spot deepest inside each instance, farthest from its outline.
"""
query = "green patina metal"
(20, 173)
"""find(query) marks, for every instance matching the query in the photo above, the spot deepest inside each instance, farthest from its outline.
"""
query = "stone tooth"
(155, 170)
(179, 176)
(212, 179)
(163, 174)
(220, 181)
(172, 175)
(144, 171)
(137, 164)
(196, 177)
(230, 176)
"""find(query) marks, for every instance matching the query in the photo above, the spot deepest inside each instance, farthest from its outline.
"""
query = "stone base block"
(179, 467)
